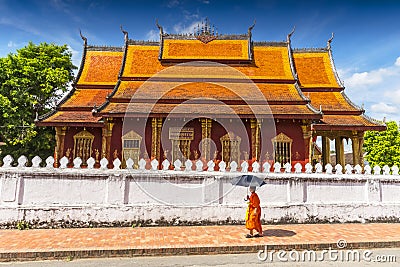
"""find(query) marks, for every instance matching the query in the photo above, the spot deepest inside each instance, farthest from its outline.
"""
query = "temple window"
(282, 145)
(83, 142)
(181, 139)
(230, 147)
(131, 147)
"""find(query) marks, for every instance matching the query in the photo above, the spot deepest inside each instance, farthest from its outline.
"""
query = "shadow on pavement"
(278, 232)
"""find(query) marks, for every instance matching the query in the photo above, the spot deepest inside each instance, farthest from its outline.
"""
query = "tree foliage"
(383, 148)
(32, 81)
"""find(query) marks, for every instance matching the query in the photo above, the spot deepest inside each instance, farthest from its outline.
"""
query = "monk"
(253, 214)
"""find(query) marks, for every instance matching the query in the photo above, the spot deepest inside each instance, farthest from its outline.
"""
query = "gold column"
(106, 138)
(326, 150)
(307, 134)
(205, 137)
(357, 141)
(156, 126)
(255, 126)
(339, 151)
(59, 149)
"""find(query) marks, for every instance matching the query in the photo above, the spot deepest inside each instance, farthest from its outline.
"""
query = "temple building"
(207, 96)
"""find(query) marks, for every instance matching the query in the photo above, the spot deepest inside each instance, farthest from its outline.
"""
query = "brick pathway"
(108, 242)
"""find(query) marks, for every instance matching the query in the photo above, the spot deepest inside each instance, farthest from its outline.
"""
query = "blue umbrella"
(247, 181)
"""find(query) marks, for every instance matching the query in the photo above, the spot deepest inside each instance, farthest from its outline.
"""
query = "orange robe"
(254, 221)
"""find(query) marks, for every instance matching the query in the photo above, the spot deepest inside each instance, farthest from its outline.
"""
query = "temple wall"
(45, 194)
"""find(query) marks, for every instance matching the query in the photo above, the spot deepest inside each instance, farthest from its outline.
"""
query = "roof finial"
(328, 45)
(290, 34)
(251, 28)
(125, 33)
(159, 27)
(83, 37)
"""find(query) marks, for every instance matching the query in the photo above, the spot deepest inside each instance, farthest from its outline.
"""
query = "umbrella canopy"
(248, 180)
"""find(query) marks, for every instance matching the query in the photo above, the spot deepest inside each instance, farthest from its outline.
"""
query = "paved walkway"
(112, 242)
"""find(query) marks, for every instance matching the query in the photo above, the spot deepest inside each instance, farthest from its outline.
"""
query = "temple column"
(326, 151)
(339, 151)
(156, 126)
(205, 137)
(307, 134)
(357, 141)
(59, 149)
(106, 138)
(255, 126)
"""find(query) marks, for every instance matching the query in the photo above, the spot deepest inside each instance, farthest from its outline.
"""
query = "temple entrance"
(181, 139)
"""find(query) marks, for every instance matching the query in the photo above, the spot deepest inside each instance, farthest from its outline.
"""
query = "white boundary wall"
(109, 195)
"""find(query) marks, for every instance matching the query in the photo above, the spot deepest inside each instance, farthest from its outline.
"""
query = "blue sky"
(366, 46)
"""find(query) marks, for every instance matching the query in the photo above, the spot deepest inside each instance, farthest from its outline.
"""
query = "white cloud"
(153, 35)
(173, 3)
(378, 89)
(384, 108)
(181, 28)
(76, 56)
(11, 44)
(397, 63)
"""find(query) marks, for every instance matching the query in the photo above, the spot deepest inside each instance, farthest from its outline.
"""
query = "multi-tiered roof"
(160, 77)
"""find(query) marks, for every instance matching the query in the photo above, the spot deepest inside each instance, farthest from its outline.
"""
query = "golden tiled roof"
(209, 109)
(142, 61)
(270, 63)
(314, 69)
(87, 98)
(330, 101)
(101, 68)
(215, 50)
(354, 122)
(219, 91)
(71, 117)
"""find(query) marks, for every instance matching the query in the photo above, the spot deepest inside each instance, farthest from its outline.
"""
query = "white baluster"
(103, 163)
(177, 165)
(298, 167)
(233, 166)
(90, 163)
(199, 165)
(22, 160)
(77, 163)
(188, 165)
(210, 166)
(266, 167)
(277, 167)
(255, 166)
(245, 166)
(165, 165)
(154, 165)
(129, 163)
(36, 162)
(222, 166)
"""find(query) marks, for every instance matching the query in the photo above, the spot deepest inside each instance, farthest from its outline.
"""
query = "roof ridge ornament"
(290, 34)
(205, 33)
(125, 33)
(159, 27)
(251, 28)
(328, 44)
(83, 37)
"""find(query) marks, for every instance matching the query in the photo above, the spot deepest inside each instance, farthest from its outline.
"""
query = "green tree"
(32, 81)
(383, 148)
